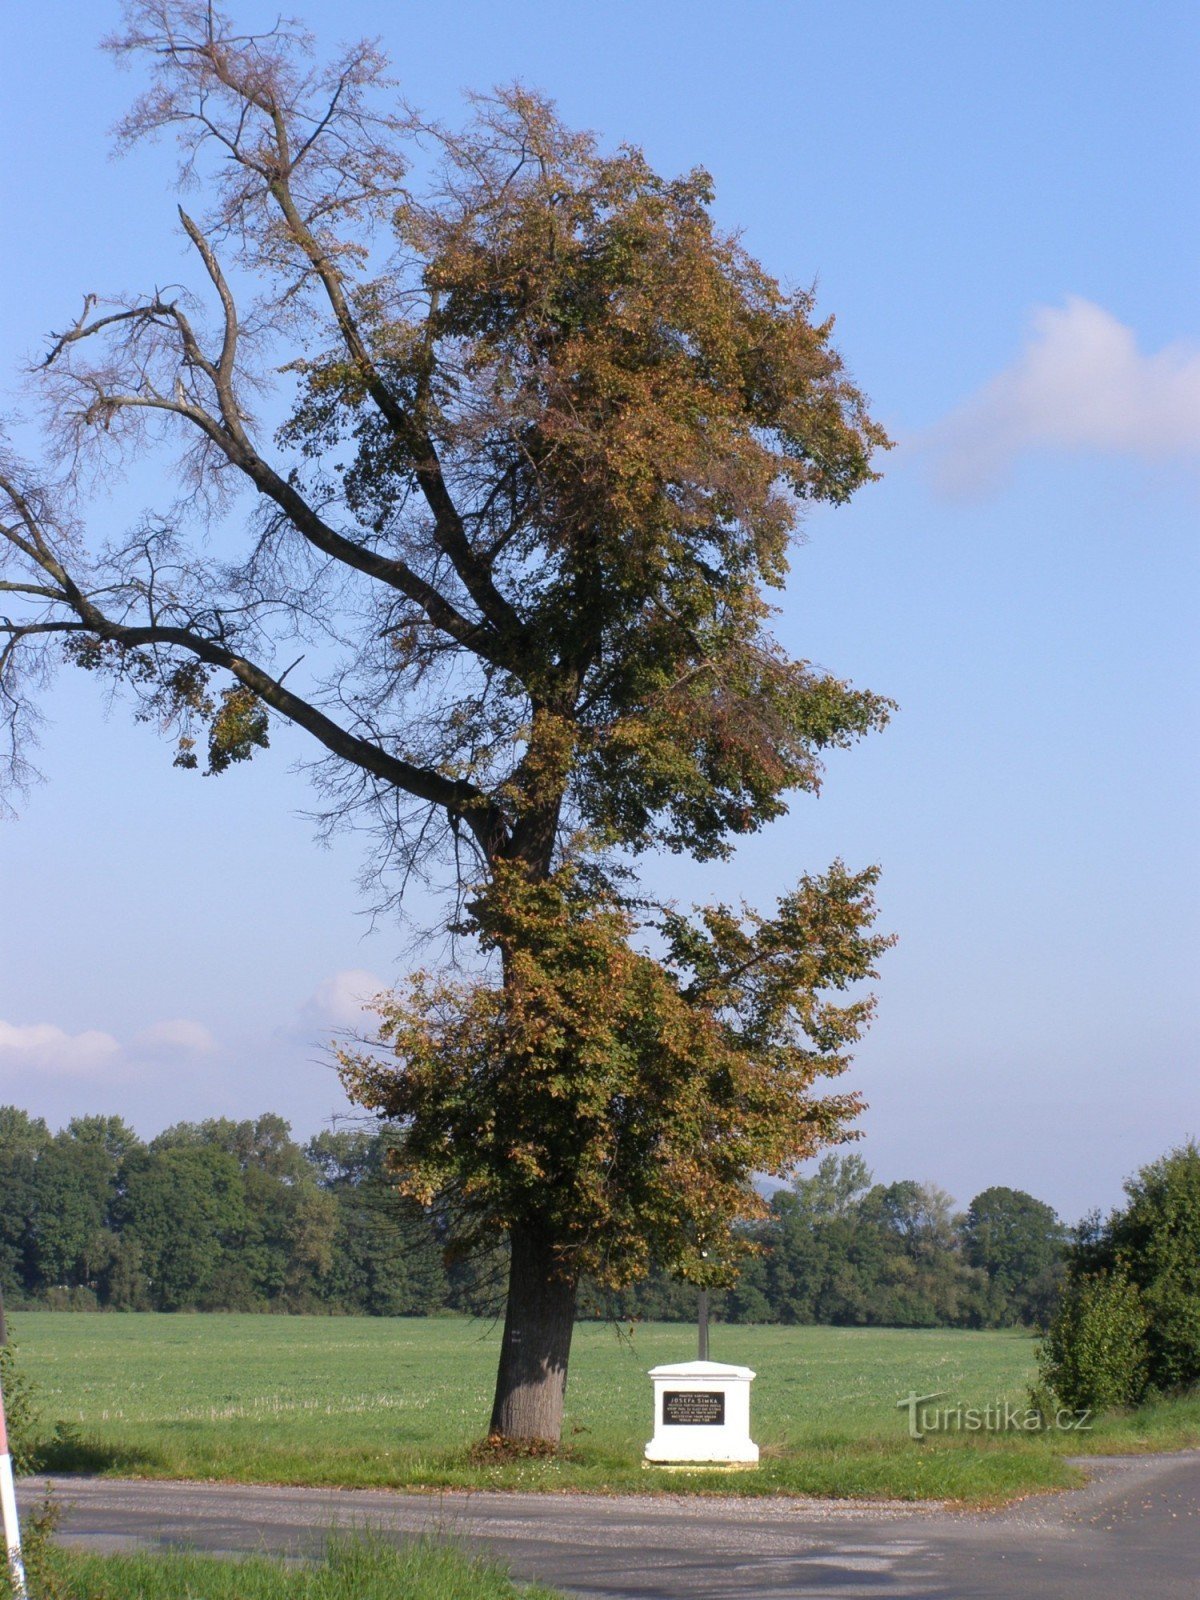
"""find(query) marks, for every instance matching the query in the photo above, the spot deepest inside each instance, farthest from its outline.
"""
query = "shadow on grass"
(72, 1450)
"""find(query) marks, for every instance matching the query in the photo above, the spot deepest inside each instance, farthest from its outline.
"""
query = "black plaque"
(703, 1408)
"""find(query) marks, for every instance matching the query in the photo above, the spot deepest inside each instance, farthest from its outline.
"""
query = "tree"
(814, 1230)
(287, 1235)
(835, 1189)
(23, 1140)
(184, 1209)
(1153, 1242)
(386, 1261)
(75, 1187)
(1019, 1243)
(548, 434)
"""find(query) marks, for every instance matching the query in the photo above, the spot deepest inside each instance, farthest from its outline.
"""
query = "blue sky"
(999, 205)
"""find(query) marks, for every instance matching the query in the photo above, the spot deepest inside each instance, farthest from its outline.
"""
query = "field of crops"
(362, 1401)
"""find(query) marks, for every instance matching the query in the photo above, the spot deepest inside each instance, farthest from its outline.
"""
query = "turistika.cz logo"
(1000, 1416)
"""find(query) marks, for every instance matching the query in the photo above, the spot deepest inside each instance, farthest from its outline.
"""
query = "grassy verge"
(1172, 1424)
(399, 1404)
(353, 1569)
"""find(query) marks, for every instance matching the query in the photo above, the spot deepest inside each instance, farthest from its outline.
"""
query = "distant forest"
(237, 1216)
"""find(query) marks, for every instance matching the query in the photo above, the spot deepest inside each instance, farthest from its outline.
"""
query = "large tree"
(526, 437)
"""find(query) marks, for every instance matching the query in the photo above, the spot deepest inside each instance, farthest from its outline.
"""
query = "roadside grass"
(1165, 1424)
(359, 1568)
(369, 1402)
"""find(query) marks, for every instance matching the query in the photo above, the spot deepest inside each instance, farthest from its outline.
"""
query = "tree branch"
(228, 434)
(458, 797)
(448, 523)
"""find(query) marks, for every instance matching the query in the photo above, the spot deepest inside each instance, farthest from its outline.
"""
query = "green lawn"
(365, 1401)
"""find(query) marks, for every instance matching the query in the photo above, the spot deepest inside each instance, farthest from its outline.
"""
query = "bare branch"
(225, 432)
(315, 160)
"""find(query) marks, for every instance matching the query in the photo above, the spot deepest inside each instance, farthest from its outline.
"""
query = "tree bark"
(538, 1323)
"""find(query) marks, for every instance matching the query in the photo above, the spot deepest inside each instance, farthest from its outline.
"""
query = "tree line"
(224, 1215)
(839, 1248)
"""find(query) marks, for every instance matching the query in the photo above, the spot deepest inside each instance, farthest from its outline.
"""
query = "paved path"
(1132, 1534)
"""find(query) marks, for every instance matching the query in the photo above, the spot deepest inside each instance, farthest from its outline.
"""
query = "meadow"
(403, 1403)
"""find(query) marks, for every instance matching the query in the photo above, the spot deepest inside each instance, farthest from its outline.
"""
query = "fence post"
(8, 1505)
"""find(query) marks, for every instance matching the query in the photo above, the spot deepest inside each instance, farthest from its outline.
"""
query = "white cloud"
(341, 1001)
(43, 1048)
(1080, 384)
(179, 1036)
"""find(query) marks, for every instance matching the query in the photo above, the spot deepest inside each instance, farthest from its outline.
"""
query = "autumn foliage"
(625, 1100)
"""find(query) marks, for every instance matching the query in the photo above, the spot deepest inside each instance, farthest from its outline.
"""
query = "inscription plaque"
(693, 1407)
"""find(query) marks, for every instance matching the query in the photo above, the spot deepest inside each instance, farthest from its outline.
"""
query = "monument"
(702, 1415)
(702, 1411)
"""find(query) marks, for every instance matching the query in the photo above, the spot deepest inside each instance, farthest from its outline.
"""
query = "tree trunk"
(538, 1323)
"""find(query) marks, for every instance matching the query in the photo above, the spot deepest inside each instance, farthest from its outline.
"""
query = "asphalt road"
(1132, 1534)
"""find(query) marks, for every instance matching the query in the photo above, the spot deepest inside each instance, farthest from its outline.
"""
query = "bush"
(1095, 1351)
(20, 1410)
(1156, 1240)
(65, 1297)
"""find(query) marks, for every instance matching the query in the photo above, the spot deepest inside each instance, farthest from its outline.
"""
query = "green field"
(373, 1401)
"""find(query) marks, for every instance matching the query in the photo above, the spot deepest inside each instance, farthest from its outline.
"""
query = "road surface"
(1133, 1533)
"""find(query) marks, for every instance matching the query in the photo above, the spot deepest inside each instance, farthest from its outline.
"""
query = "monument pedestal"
(702, 1415)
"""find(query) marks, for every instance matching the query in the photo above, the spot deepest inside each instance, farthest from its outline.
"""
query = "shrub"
(1095, 1351)
(1156, 1240)
(20, 1410)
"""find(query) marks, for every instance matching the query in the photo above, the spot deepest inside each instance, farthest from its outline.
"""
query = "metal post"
(704, 1324)
(8, 1513)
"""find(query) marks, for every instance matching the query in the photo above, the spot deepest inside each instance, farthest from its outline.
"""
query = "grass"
(361, 1568)
(367, 1402)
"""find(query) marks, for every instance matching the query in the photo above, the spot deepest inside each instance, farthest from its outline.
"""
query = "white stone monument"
(702, 1415)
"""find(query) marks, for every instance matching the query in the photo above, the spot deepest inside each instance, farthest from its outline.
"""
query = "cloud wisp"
(339, 1005)
(45, 1047)
(1081, 384)
(44, 1050)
